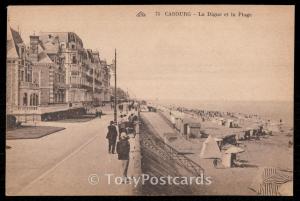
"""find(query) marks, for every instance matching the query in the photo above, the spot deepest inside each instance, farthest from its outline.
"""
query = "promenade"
(73, 161)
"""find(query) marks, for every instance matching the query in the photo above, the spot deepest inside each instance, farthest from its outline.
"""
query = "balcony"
(75, 85)
(60, 85)
(98, 90)
(29, 85)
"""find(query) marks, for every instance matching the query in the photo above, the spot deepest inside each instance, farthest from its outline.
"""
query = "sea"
(273, 110)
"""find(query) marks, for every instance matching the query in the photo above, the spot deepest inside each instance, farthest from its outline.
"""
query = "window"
(29, 77)
(74, 61)
(25, 73)
(25, 99)
(31, 100)
(36, 100)
(22, 76)
(74, 73)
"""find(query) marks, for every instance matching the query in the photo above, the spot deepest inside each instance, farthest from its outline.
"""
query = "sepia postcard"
(150, 100)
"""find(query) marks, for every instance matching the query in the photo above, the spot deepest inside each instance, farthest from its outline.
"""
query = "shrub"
(11, 121)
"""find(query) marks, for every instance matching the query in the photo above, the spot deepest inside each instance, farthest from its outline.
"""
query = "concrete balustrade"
(135, 166)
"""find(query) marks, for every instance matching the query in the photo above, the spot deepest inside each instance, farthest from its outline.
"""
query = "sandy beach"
(271, 150)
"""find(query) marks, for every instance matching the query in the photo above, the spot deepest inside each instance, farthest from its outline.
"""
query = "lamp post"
(115, 97)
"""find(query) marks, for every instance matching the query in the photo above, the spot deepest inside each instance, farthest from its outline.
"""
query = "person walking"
(122, 125)
(112, 137)
(100, 113)
(121, 108)
(123, 148)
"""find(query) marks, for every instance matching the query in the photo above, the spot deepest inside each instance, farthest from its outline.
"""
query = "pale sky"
(182, 57)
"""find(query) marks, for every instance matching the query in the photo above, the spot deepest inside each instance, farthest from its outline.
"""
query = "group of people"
(128, 106)
(121, 133)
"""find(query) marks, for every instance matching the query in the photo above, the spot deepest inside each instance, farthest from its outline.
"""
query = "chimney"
(33, 53)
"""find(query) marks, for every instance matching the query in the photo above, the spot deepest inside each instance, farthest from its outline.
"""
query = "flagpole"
(115, 99)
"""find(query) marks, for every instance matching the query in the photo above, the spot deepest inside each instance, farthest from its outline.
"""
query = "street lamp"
(115, 98)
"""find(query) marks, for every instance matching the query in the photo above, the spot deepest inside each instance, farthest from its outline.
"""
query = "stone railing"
(54, 107)
(135, 166)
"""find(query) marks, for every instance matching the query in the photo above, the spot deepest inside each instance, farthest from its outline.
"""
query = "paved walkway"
(61, 163)
(158, 122)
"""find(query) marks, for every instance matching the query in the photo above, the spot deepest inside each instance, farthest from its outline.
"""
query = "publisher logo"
(141, 14)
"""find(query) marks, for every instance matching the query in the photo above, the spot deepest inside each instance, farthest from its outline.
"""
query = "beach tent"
(229, 123)
(194, 129)
(189, 126)
(210, 149)
(219, 141)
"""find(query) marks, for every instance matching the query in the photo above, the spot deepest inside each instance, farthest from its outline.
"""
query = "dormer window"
(21, 51)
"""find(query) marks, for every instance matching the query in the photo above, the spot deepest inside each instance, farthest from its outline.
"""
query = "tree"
(121, 94)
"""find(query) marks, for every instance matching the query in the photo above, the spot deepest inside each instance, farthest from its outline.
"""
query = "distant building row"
(53, 73)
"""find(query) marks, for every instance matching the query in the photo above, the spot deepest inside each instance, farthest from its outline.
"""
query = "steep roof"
(13, 39)
(16, 36)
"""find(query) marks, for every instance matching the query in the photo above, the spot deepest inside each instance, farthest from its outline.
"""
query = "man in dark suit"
(123, 148)
(112, 137)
